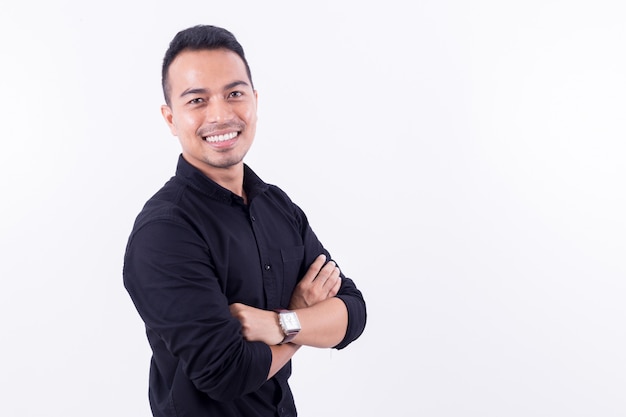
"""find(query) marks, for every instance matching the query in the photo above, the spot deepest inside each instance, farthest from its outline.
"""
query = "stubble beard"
(224, 163)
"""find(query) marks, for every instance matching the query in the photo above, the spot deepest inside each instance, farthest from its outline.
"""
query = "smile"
(221, 138)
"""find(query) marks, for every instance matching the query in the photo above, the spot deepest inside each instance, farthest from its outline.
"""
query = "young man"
(223, 268)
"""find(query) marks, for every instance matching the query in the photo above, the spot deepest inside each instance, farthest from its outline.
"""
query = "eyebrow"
(191, 91)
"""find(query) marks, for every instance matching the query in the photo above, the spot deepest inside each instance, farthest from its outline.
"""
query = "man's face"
(212, 110)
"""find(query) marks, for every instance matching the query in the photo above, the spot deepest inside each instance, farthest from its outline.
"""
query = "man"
(223, 268)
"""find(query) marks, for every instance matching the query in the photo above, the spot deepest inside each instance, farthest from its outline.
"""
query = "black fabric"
(194, 249)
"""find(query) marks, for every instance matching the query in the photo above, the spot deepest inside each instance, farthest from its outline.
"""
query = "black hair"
(196, 38)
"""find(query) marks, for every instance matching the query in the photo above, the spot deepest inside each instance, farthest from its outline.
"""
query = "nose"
(218, 111)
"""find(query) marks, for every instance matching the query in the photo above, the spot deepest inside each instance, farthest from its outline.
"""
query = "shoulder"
(276, 192)
(279, 197)
(166, 205)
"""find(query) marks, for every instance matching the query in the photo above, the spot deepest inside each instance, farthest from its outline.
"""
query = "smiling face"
(212, 109)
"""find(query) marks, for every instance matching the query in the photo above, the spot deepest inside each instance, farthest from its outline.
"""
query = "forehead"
(206, 68)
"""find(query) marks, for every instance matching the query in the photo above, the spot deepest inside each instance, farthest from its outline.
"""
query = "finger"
(318, 263)
(315, 268)
(332, 278)
(326, 271)
(335, 289)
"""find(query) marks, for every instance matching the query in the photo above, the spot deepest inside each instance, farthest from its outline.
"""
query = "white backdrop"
(462, 160)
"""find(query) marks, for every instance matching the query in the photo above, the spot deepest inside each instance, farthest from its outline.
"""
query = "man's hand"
(258, 325)
(321, 281)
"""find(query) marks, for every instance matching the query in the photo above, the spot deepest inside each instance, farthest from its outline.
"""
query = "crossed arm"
(323, 317)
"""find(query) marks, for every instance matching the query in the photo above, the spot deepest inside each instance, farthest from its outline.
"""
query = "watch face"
(290, 321)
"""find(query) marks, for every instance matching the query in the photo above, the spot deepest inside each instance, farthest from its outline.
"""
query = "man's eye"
(235, 94)
(196, 101)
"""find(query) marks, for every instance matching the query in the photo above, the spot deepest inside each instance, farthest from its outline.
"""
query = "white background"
(462, 160)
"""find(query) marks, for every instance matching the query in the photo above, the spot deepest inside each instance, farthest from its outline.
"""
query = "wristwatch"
(289, 323)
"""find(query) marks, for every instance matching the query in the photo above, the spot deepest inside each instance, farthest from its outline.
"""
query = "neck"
(230, 177)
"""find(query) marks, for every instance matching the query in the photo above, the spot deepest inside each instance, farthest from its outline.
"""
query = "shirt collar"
(252, 184)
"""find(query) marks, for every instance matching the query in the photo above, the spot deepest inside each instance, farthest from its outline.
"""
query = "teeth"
(221, 138)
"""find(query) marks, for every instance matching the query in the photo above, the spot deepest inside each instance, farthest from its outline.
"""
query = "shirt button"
(252, 218)
(267, 267)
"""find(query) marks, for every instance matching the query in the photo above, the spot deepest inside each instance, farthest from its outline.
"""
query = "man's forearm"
(324, 324)
(281, 354)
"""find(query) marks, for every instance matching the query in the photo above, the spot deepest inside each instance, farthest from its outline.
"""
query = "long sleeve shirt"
(196, 248)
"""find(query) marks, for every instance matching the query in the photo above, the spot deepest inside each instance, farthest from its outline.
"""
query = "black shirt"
(195, 248)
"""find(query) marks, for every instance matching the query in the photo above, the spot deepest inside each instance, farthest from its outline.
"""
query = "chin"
(224, 163)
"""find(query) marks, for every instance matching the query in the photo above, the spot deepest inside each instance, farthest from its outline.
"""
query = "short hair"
(196, 38)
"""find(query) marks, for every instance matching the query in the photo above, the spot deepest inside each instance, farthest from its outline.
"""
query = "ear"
(167, 114)
(256, 102)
